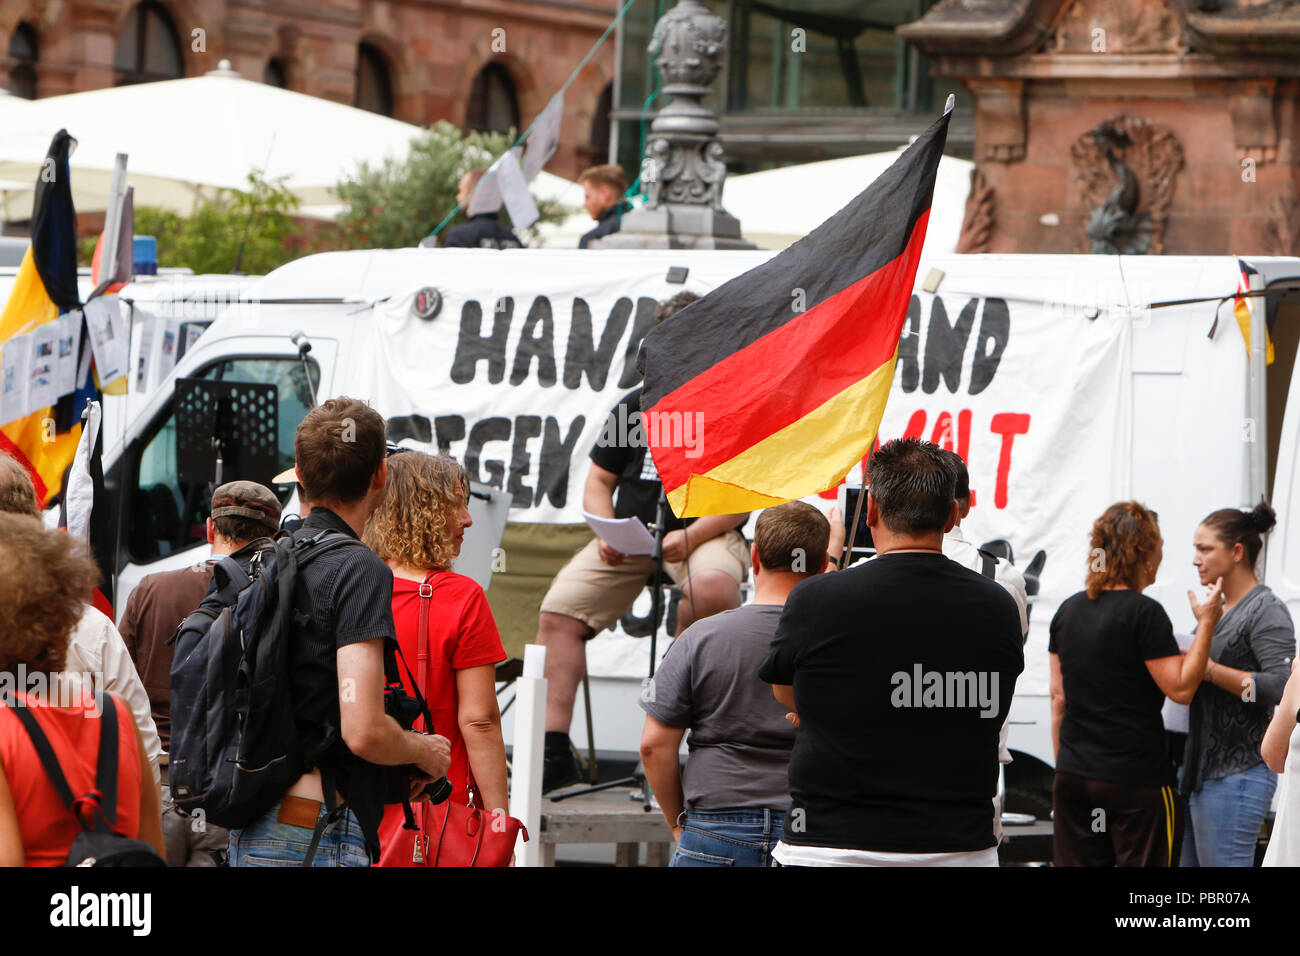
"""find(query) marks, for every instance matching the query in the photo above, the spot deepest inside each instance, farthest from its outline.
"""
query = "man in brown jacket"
(244, 516)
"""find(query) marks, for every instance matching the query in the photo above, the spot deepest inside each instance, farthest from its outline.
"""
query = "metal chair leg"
(591, 742)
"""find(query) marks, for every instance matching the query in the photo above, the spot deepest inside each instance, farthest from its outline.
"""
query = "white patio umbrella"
(777, 207)
(188, 138)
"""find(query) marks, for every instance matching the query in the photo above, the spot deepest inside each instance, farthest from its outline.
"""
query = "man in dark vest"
(484, 231)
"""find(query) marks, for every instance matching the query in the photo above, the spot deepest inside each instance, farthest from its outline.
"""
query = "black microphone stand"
(656, 614)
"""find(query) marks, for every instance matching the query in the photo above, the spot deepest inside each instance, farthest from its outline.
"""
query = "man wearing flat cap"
(245, 515)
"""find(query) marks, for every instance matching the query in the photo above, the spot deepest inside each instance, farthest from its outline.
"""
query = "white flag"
(544, 138)
(487, 194)
(81, 488)
(514, 190)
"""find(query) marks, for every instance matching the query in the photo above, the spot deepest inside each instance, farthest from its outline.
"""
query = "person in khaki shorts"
(706, 557)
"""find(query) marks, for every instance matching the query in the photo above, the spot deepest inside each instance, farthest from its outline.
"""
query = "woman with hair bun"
(1113, 660)
(1227, 784)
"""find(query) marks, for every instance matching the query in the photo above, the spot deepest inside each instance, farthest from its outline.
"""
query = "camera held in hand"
(404, 709)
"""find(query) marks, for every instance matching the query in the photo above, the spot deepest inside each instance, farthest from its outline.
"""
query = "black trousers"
(1096, 823)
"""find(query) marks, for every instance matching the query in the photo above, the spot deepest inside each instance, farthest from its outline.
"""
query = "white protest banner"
(42, 382)
(68, 337)
(514, 190)
(108, 338)
(14, 356)
(1002, 383)
(544, 138)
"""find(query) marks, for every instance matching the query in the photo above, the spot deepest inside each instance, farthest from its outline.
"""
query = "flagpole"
(113, 218)
(857, 513)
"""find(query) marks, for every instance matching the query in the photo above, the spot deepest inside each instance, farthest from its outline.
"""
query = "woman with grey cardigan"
(1226, 782)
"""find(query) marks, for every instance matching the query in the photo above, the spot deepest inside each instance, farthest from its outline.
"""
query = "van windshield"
(169, 515)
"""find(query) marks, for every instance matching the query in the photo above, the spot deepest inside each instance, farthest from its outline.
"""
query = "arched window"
(23, 54)
(148, 48)
(493, 105)
(275, 74)
(600, 125)
(374, 87)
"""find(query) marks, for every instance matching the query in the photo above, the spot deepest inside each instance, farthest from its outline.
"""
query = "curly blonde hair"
(46, 579)
(1124, 538)
(412, 526)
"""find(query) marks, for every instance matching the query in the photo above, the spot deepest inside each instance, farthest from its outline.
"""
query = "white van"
(1051, 374)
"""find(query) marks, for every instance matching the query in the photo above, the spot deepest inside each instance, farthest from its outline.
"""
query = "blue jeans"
(268, 842)
(728, 837)
(1225, 817)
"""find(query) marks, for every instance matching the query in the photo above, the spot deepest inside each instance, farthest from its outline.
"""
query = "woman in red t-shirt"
(418, 531)
(45, 581)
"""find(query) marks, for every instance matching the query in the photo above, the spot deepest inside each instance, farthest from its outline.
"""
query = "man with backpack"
(244, 517)
(304, 771)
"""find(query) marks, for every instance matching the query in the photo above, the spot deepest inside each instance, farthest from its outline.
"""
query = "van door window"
(167, 515)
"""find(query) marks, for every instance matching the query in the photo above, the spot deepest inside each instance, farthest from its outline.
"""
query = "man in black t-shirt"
(342, 623)
(707, 557)
(901, 671)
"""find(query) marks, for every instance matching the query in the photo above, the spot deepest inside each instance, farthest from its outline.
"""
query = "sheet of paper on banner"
(67, 338)
(143, 351)
(544, 138)
(108, 338)
(42, 383)
(14, 355)
(514, 189)
(625, 535)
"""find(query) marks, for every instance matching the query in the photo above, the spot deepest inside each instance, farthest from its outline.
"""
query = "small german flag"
(781, 375)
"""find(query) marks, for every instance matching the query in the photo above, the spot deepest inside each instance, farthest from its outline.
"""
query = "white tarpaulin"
(1034, 396)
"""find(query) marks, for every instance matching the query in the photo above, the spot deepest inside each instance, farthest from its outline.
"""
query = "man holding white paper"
(706, 557)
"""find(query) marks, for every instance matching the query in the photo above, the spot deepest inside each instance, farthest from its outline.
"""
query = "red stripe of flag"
(838, 337)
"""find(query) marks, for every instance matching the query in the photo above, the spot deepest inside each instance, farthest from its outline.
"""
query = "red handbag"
(452, 833)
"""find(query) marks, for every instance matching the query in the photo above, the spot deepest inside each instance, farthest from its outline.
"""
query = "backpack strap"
(235, 577)
(988, 563)
(104, 796)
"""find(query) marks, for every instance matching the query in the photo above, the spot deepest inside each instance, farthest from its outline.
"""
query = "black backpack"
(98, 844)
(235, 748)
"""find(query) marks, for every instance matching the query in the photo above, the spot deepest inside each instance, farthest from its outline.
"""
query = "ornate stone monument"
(683, 170)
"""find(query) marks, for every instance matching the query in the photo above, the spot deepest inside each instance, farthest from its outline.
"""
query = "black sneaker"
(560, 770)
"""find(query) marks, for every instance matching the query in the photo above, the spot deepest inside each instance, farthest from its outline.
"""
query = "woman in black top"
(1227, 785)
(1113, 661)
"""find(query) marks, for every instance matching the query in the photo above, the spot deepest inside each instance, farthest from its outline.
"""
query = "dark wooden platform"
(610, 816)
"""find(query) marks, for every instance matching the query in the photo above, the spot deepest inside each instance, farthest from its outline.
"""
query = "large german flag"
(780, 376)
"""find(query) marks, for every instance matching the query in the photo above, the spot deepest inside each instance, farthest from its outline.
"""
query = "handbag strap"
(422, 638)
(104, 796)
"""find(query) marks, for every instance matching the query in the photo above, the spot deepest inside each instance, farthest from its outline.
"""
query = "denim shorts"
(728, 837)
(268, 842)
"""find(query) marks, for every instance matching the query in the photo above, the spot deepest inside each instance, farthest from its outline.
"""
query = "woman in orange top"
(45, 580)
(418, 531)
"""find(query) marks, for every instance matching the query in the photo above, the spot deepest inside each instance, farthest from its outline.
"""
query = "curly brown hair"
(412, 525)
(1124, 539)
(46, 579)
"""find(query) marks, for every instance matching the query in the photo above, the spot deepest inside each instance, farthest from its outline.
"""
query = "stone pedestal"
(683, 168)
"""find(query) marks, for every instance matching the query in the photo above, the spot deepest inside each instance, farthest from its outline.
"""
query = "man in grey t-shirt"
(729, 808)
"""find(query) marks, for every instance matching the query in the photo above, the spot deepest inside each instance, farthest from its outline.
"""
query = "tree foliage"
(209, 240)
